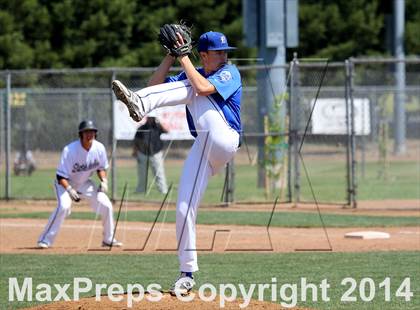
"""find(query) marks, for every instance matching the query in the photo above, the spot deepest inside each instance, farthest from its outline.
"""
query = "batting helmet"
(87, 125)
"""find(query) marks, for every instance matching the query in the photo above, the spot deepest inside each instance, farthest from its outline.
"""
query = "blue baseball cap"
(213, 41)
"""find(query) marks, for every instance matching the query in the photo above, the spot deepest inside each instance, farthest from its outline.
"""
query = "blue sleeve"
(175, 78)
(181, 76)
(226, 80)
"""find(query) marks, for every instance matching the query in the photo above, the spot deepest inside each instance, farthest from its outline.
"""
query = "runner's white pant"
(99, 203)
(215, 145)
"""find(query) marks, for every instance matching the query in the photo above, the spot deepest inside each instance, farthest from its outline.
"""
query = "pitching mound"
(167, 302)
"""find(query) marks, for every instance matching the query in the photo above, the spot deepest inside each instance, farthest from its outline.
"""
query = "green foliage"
(340, 29)
(43, 34)
(412, 40)
(66, 33)
(276, 145)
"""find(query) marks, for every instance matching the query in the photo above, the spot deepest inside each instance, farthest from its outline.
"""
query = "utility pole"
(399, 98)
(271, 26)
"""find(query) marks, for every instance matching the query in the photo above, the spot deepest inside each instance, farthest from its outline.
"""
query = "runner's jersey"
(77, 165)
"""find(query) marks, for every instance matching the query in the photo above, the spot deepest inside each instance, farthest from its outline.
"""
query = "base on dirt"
(367, 235)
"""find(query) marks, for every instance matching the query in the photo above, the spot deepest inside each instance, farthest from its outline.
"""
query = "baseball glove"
(168, 39)
(103, 187)
(74, 195)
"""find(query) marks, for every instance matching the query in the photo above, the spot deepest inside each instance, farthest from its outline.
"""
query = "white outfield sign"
(329, 116)
(173, 118)
(124, 127)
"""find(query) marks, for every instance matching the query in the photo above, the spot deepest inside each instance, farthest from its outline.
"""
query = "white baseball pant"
(99, 203)
(213, 148)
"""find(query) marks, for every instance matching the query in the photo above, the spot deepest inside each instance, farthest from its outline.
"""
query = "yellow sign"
(18, 99)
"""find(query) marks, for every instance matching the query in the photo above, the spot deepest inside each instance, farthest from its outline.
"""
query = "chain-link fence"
(318, 145)
(319, 161)
(388, 151)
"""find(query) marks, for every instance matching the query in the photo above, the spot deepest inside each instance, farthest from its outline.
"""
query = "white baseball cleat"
(42, 245)
(130, 99)
(182, 286)
(114, 243)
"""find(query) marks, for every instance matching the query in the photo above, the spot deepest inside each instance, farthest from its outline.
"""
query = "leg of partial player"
(223, 141)
(192, 185)
(159, 172)
(46, 239)
(215, 145)
(147, 99)
(141, 172)
(101, 205)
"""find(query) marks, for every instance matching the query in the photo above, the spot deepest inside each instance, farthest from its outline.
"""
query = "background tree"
(412, 29)
(98, 33)
(339, 29)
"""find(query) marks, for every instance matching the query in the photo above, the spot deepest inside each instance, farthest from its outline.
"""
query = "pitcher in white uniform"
(212, 95)
(79, 160)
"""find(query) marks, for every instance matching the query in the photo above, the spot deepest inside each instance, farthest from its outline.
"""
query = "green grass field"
(230, 268)
(328, 179)
(283, 219)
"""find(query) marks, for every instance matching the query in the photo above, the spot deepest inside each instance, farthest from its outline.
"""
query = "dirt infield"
(84, 236)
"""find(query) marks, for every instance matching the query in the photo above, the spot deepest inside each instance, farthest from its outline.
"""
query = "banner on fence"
(173, 118)
(329, 116)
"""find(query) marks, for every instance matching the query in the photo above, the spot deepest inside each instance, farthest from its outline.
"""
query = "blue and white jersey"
(77, 164)
(227, 81)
